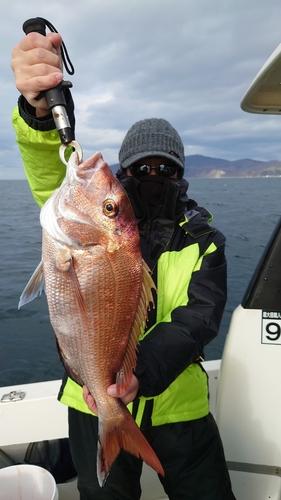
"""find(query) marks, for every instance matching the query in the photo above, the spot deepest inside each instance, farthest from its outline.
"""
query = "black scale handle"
(54, 97)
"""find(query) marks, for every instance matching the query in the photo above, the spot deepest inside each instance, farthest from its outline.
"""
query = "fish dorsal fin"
(124, 375)
(34, 287)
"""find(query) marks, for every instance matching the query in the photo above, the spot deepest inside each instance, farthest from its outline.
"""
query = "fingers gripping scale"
(54, 97)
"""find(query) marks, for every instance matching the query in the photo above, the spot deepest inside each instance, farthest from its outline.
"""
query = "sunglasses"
(164, 170)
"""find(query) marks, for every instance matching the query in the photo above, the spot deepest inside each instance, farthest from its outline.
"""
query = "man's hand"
(127, 396)
(37, 65)
(89, 400)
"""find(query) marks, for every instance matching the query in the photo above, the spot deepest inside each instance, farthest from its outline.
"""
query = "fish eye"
(110, 208)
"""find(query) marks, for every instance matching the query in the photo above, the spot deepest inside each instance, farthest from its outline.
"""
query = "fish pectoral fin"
(76, 287)
(65, 264)
(64, 260)
(34, 287)
(124, 375)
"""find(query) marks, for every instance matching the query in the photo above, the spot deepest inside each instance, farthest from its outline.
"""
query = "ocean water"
(245, 210)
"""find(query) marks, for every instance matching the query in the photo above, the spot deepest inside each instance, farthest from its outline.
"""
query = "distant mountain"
(205, 166)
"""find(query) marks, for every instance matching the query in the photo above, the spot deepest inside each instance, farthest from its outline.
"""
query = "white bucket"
(27, 482)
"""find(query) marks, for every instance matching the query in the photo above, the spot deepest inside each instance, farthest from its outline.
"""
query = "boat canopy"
(264, 94)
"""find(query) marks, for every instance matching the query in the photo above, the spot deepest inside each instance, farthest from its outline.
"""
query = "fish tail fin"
(116, 434)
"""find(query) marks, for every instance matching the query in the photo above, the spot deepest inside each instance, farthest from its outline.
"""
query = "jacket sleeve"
(170, 347)
(39, 143)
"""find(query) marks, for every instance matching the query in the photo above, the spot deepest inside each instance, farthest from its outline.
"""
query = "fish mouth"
(89, 168)
(78, 169)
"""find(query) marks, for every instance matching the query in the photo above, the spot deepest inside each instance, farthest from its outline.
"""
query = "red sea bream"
(98, 290)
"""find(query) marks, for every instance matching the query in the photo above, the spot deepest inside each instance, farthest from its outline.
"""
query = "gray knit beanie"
(152, 137)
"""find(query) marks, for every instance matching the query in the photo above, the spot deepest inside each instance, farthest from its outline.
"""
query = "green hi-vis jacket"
(187, 257)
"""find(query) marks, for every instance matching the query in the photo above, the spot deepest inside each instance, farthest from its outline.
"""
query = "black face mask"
(151, 189)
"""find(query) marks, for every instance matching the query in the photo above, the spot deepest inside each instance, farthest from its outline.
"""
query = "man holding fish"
(108, 245)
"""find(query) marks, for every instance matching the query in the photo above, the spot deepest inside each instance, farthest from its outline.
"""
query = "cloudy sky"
(189, 61)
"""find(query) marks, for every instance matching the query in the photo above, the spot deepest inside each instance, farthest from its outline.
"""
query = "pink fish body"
(98, 290)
